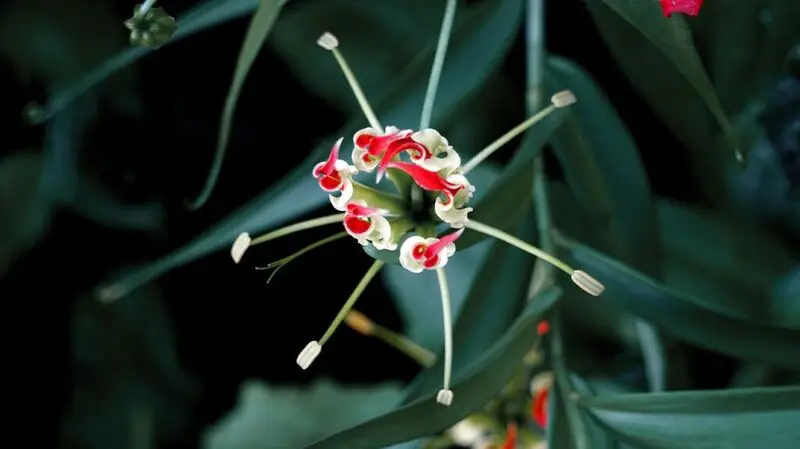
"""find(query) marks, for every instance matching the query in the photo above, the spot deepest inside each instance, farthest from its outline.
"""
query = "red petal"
(511, 436)
(331, 182)
(428, 180)
(362, 211)
(436, 248)
(377, 145)
(689, 7)
(356, 225)
(418, 252)
(400, 145)
(328, 168)
(539, 408)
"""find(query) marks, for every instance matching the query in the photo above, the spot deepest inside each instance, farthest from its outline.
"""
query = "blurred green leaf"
(412, 293)
(471, 46)
(686, 317)
(496, 296)
(785, 299)
(746, 46)
(671, 94)
(604, 170)
(727, 266)
(673, 38)
(730, 419)
(473, 388)
(269, 416)
(257, 32)
(138, 383)
(24, 211)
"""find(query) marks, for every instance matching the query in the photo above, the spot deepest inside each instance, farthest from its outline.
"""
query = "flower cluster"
(382, 220)
(432, 190)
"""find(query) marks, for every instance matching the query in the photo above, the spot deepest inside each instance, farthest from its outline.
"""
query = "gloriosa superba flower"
(433, 189)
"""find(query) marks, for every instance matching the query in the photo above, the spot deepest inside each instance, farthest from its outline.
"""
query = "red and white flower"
(419, 253)
(336, 175)
(368, 225)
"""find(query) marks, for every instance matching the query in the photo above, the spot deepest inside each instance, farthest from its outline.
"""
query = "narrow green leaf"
(726, 265)
(672, 97)
(730, 419)
(257, 33)
(604, 170)
(686, 317)
(473, 388)
(673, 37)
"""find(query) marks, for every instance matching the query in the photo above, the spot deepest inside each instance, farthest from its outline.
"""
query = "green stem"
(525, 246)
(351, 301)
(438, 63)
(296, 227)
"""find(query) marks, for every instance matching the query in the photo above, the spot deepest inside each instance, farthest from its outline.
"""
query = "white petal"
(430, 138)
(240, 246)
(382, 234)
(340, 202)
(358, 161)
(456, 218)
(406, 260)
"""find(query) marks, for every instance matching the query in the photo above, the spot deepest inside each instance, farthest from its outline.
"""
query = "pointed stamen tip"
(308, 354)
(328, 41)
(359, 323)
(589, 284)
(240, 246)
(445, 397)
(563, 99)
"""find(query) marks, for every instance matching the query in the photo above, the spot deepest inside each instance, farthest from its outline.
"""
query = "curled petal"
(340, 202)
(415, 149)
(456, 218)
(440, 154)
(364, 161)
(445, 244)
(382, 237)
(327, 167)
(409, 253)
(359, 227)
(375, 143)
(428, 180)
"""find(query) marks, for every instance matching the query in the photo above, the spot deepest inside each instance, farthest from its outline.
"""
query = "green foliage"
(739, 418)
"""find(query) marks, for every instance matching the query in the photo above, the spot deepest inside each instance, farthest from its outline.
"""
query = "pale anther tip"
(445, 397)
(308, 354)
(240, 246)
(586, 282)
(563, 99)
(328, 41)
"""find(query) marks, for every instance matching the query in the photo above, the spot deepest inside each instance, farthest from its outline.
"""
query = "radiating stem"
(527, 247)
(296, 227)
(438, 63)
(405, 345)
(362, 285)
(146, 7)
(505, 138)
(448, 327)
(357, 91)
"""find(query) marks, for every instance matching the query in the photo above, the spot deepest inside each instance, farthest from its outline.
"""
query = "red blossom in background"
(688, 7)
